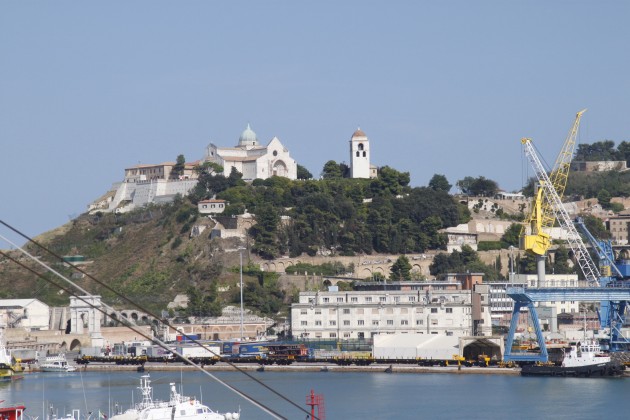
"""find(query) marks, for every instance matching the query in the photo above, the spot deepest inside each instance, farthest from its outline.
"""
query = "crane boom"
(543, 217)
(591, 273)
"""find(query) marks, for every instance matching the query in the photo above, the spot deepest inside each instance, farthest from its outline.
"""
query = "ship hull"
(594, 370)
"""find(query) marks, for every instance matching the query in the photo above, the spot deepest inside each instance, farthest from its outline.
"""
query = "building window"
(354, 299)
(390, 322)
(419, 310)
(396, 299)
(332, 323)
(382, 298)
(304, 323)
(318, 323)
(449, 310)
(333, 335)
(360, 322)
(339, 299)
(346, 323)
(303, 312)
(375, 322)
(346, 335)
(368, 299)
(419, 321)
(346, 311)
(404, 322)
(412, 298)
(326, 300)
(318, 311)
(434, 310)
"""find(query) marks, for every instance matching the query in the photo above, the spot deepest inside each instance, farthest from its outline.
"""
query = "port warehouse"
(390, 348)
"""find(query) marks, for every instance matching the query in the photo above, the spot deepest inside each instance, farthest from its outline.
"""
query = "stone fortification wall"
(366, 265)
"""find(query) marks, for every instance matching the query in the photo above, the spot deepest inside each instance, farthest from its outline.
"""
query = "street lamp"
(240, 251)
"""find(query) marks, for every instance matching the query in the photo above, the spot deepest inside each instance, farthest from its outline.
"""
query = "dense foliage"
(603, 151)
(338, 215)
(479, 186)
(465, 261)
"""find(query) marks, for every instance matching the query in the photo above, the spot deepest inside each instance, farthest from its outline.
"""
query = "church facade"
(253, 160)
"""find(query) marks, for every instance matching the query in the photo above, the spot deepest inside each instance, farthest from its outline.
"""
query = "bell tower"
(359, 155)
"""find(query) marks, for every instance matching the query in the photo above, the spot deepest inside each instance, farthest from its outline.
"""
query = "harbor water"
(348, 395)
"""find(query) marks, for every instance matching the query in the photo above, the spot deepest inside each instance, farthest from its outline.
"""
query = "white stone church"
(253, 160)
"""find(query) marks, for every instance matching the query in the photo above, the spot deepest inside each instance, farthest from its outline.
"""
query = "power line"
(128, 325)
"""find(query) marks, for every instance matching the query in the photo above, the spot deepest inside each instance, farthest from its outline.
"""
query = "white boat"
(178, 407)
(56, 363)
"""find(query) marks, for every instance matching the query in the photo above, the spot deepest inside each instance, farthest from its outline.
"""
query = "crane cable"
(163, 345)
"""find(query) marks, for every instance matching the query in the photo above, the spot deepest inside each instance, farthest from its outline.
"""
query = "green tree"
(401, 269)
(440, 183)
(480, 186)
(561, 262)
(265, 231)
(511, 237)
(596, 227)
(178, 168)
(331, 170)
(604, 198)
(303, 173)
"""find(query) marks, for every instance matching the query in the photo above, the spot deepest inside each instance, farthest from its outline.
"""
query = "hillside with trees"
(336, 214)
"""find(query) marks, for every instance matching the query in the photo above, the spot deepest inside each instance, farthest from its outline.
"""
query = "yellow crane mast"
(542, 216)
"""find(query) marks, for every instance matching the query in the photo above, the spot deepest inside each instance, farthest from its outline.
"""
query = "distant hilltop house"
(599, 166)
(212, 206)
(160, 183)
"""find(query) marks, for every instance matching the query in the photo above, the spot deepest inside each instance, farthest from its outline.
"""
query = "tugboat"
(579, 359)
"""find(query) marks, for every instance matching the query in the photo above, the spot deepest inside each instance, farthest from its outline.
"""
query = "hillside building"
(618, 227)
(212, 206)
(253, 160)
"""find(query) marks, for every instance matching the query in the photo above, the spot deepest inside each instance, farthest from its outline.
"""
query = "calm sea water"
(347, 395)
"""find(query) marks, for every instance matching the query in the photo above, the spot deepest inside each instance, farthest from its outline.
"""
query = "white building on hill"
(253, 160)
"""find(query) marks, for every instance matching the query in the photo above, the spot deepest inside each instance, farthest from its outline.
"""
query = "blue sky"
(90, 88)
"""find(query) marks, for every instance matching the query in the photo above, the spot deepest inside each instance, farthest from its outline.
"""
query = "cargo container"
(198, 351)
(187, 337)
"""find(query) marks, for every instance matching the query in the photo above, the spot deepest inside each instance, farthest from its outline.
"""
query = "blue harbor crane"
(547, 210)
(612, 314)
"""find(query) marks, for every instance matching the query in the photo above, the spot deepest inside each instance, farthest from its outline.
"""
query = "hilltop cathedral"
(253, 160)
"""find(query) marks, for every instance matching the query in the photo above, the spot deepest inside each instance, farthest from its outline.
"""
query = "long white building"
(364, 314)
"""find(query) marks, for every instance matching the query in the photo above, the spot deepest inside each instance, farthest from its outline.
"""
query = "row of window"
(375, 311)
(349, 335)
(369, 299)
(375, 322)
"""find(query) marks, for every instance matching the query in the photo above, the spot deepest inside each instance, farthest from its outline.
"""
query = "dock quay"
(309, 367)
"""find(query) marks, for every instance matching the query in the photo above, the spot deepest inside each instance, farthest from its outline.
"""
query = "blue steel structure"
(524, 297)
(612, 314)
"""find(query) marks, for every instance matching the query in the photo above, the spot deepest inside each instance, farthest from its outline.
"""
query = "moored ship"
(56, 363)
(583, 358)
(179, 407)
